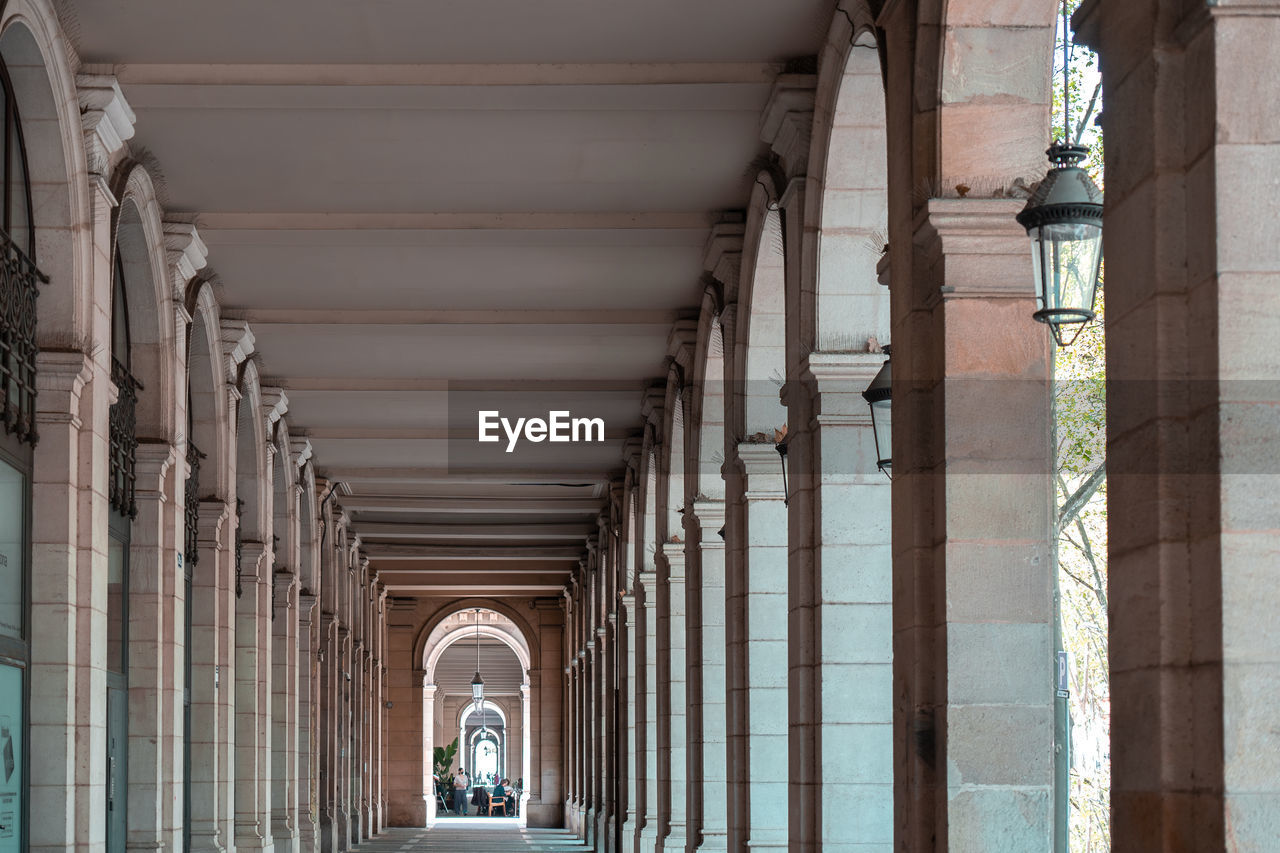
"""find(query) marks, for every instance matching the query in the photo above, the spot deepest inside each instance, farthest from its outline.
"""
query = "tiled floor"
(474, 835)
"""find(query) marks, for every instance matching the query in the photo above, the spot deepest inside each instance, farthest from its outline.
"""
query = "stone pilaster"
(674, 764)
(631, 700)
(155, 706)
(762, 696)
(212, 684)
(253, 686)
(972, 558)
(648, 752)
(308, 742)
(708, 815)
(285, 760)
(67, 566)
(845, 706)
(1192, 247)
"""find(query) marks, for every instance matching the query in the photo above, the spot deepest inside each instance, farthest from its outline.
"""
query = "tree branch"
(1084, 120)
(1072, 506)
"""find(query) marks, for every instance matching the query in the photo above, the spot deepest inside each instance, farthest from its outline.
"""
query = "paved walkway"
(476, 835)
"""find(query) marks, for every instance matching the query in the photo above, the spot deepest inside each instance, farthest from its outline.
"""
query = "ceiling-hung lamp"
(879, 395)
(477, 683)
(1063, 218)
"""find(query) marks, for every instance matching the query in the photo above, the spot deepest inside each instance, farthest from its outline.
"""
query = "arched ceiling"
(499, 668)
(425, 208)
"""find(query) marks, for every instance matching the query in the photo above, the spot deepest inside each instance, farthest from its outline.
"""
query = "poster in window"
(10, 759)
(12, 493)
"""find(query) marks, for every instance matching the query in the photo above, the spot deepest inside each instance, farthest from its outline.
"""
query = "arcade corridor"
(397, 390)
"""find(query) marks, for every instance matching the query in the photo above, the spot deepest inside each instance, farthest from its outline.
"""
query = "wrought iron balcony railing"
(191, 508)
(19, 287)
(124, 441)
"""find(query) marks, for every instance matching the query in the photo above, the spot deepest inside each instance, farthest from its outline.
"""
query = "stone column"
(428, 747)
(342, 731)
(571, 716)
(328, 736)
(153, 717)
(674, 768)
(1192, 246)
(548, 794)
(648, 839)
(764, 646)
(284, 709)
(211, 724)
(973, 654)
(66, 558)
(308, 742)
(630, 701)
(253, 685)
(708, 815)
(844, 712)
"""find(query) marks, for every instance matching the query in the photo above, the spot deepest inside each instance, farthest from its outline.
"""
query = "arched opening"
(471, 642)
(207, 525)
(757, 537)
(250, 772)
(283, 627)
(19, 288)
(140, 451)
(839, 502)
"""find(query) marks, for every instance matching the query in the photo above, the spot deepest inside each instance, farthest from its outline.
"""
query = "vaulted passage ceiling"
(425, 207)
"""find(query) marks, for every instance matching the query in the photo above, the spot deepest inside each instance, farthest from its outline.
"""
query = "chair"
(443, 803)
(497, 803)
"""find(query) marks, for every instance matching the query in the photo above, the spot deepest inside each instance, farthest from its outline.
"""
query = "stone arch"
(705, 432)
(436, 646)
(252, 471)
(308, 529)
(671, 464)
(760, 349)
(420, 643)
(847, 193)
(210, 413)
(284, 501)
(139, 243)
(42, 69)
(470, 707)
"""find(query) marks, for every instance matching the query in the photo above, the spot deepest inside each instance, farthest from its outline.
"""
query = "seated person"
(499, 794)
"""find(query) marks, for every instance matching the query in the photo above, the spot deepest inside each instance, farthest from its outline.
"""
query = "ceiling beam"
(448, 74)
(327, 384)
(530, 505)
(391, 530)
(572, 221)
(394, 553)
(419, 317)
(453, 476)
(507, 589)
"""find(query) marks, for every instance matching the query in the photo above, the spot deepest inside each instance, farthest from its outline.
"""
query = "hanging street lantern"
(477, 683)
(879, 396)
(1063, 217)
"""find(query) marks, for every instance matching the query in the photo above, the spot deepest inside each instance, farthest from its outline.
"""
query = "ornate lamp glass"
(477, 688)
(1063, 217)
(879, 395)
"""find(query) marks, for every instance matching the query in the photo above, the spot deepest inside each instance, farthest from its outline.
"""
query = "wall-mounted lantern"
(879, 395)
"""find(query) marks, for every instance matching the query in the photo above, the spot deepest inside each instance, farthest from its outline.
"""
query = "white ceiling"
(422, 207)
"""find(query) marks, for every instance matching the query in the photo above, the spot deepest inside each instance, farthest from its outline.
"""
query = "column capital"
(762, 468)
(834, 382)
(306, 603)
(254, 557)
(106, 119)
(786, 124)
(984, 249)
